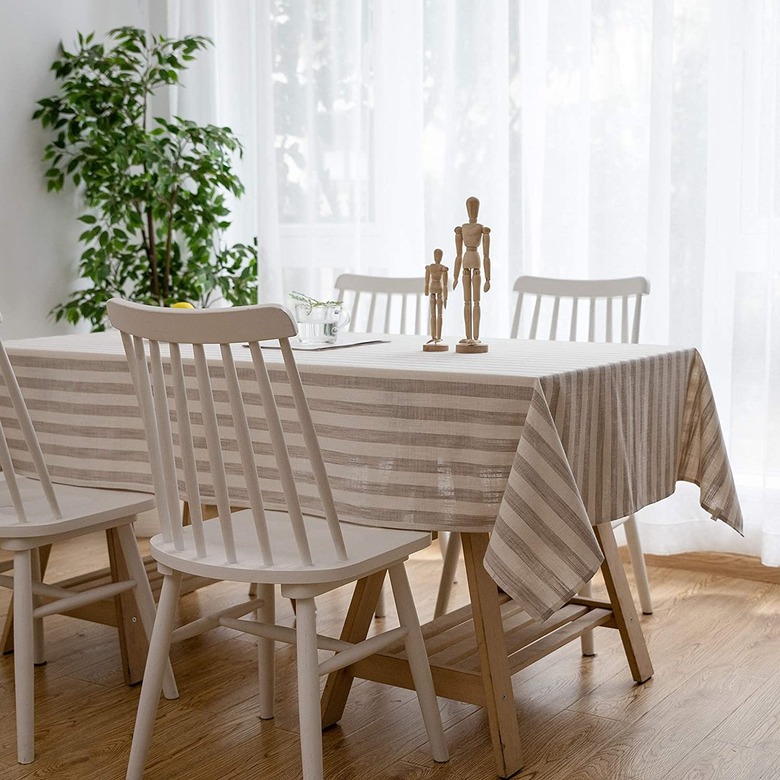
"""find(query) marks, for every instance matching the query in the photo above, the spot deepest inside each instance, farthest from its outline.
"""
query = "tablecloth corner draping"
(641, 427)
(703, 458)
(542, 548)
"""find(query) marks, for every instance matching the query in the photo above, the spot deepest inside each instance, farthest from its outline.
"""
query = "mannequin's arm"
(486, 251)
(458, 255)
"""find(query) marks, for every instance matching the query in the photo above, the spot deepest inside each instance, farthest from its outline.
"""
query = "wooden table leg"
(491, 644)
(482, 675)
(356, 625)
(622, 601)
(132, 639)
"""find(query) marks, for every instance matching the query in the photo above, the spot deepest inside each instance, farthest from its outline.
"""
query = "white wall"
(38, 230)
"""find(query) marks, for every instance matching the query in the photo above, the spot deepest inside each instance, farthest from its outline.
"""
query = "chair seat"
(370, 549)
(81, 507)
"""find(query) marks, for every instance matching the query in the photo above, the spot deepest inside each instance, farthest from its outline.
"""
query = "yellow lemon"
(182, 305)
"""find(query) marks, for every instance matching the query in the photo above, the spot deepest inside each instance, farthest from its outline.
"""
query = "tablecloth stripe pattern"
(702, 455)
(414, 450)
(627, 431)
(537, 440)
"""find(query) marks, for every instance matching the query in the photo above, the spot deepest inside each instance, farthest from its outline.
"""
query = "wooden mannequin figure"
(436, 286)
(471, 234)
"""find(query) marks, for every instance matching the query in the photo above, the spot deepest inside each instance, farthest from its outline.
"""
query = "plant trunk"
(151, 253)
(169, 240)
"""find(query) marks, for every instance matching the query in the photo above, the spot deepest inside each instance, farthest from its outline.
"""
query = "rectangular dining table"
(529, 450)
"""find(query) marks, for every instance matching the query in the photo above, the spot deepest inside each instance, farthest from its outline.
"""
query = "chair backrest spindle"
(575, 302)
(535, 320)
(7, 465)
(281, 452)
(31, 443)
(187, 448)
(214, 449)
(165, 436)
(139, 372)
(592, 320)
(313, 448)
(354, 310)
(637, 318)
(371, 313)
(246, 453)
(388, 309)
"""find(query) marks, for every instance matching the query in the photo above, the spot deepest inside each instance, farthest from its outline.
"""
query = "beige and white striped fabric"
(535, 440)
(601, 443)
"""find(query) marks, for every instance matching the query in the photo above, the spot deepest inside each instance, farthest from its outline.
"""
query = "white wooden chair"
(307, 556)
(35, 513)
(575, 310)
(383, 304)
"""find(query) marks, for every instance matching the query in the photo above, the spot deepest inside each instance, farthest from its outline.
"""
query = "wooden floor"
(712, 711)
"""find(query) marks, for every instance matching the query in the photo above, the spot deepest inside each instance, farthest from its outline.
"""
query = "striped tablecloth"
(533, 440)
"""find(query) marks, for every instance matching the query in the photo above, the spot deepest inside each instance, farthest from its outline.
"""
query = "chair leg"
(418, 662)
(24, 681)
(39, 650)
(638, 564)
(144, 599)
(7, 639)
(309, 689)
(266, 651)
(451, 557)
(381, 603)
(586, 640)
(156, 664)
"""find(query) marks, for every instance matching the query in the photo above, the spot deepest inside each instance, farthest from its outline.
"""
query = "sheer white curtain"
(603, 138)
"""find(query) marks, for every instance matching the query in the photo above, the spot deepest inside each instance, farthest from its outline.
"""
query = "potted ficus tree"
(154, 188)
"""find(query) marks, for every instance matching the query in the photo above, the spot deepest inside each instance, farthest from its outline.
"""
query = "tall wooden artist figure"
(436, 287)
(472, 234)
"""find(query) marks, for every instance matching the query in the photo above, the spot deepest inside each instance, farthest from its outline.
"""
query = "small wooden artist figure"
(472, 234)
(436, 287)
